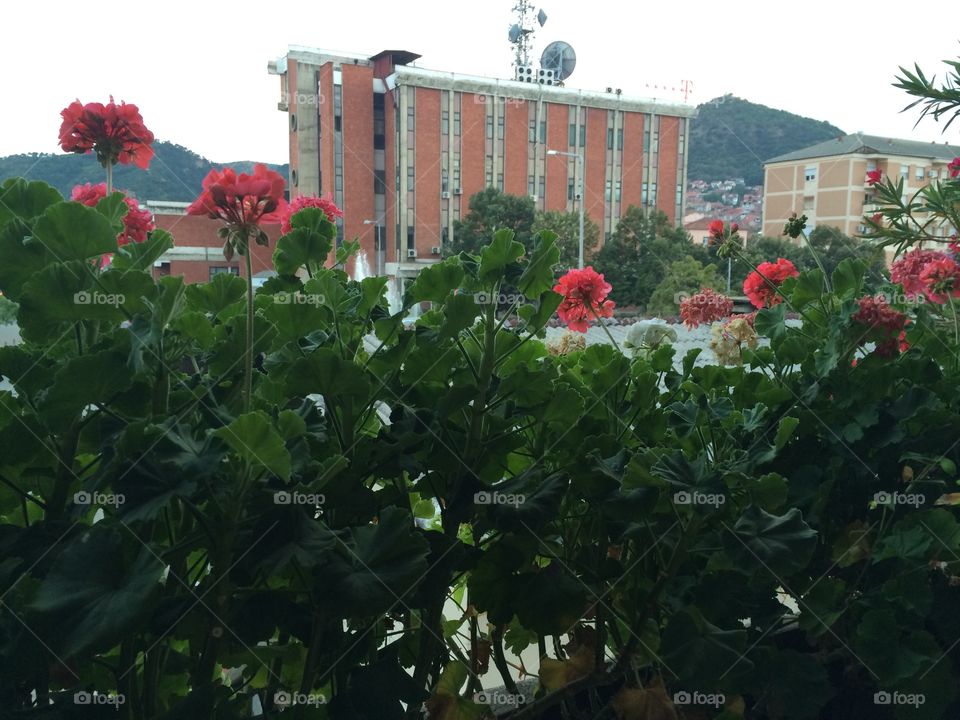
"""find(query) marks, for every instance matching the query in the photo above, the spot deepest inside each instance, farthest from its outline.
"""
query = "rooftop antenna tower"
(521, 33)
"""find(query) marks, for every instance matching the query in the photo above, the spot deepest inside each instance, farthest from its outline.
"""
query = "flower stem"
(248, 357)
(109, 168)
(605, 328)
(816, 258)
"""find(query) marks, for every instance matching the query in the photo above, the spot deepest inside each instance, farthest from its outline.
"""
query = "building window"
(445, 122)
(456, 122)
(444, 235)
(616, 192)
(380, 182)
(871, 165)
(411, 118)
(572, 138)
(904, 171)
(500, 125)
(679, 198)
(339, 179)
(411, 178)
(489, 127)
(656, 141)
(337, 123)
(646, 140)
(411, 239)
(920, 173)
(583, 135)
(543, 187)
(444, 181)
(608, 193)
(489, 178)
(543, 132)
(500, 182)
(532, 135)
(810, 173)
(653, 193)
(643, 194)
(339, 232)
(609, 138)
(218, 269)
(680, 144)
(531, 185)
(620, 140)
(570, 189)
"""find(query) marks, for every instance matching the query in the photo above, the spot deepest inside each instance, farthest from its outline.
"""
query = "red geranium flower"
(954, 167)
(584, 298)
(136, 223)
(873, 177)
(941, 279)
(906, 270)
(884, 325)
(115, 132)
(326, 204)
(757, 286)
(241, 200)
(715, 228)
(705, 307)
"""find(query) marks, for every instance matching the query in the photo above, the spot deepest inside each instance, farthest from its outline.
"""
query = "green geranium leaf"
(71, 231)
(308, 243)
(142, 256)
(83, 381)
(762, 542)
(495, 257)
(435, 282)
(213, 297)
(848, 278)
(537, 277)
(253, 438)
(99, 588)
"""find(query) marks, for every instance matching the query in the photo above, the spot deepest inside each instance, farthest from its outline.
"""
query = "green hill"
(732, 137)
(175, 172)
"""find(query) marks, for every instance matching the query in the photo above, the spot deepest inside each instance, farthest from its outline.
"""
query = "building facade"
(402, 149)
(827, 182)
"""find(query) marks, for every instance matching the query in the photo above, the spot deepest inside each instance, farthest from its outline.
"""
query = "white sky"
(198, 69)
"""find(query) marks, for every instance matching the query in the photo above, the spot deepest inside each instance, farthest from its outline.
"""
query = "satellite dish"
(559, 57)
(541, 18)
(515, 33)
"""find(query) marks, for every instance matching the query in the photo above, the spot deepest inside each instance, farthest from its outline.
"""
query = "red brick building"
(402, 148)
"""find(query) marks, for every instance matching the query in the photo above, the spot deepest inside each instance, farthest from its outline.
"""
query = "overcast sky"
(198, 69)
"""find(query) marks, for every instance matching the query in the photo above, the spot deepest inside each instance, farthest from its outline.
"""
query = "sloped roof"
(870, 145)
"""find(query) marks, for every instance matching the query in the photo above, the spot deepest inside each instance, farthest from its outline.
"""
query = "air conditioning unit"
(457, 191)
(445, 195)
(576, 196)
(411, 252)
(534, 198)
(435, 250)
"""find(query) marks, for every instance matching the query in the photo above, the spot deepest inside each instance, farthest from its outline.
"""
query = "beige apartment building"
(827, 182)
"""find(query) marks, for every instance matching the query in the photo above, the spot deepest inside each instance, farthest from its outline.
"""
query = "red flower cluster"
(941, 279)
(136, 223)
(906, 270)
(884, 325)
(241, 200)
(115, 132)
(584, 298)
(757, 286)
(954, 167)
(305, 201)
(873, 177)
(716, 230)
(705, 307)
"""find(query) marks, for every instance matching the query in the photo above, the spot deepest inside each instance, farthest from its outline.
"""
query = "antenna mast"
(521, 32)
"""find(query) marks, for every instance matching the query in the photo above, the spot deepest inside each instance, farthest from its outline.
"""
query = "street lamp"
(377, 242)
(579, 156)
